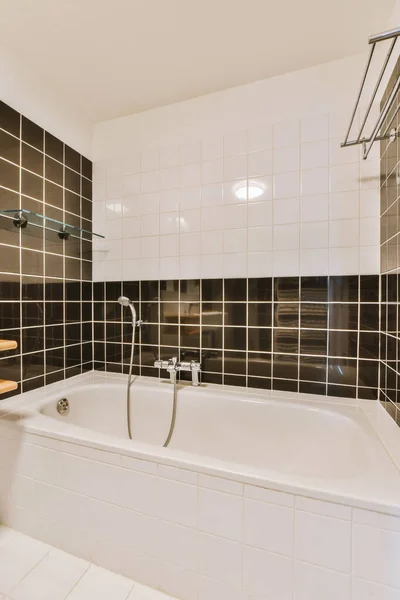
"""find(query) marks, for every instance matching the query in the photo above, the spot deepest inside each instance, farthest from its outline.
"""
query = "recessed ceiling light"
(250, 192)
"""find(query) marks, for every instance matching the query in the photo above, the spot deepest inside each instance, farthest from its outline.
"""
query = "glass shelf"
(21, 218)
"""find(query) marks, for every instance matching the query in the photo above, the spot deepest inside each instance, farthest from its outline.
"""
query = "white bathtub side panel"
(194, 536)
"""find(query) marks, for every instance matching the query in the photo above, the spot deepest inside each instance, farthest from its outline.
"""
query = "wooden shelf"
(7, 386)
(7, 345)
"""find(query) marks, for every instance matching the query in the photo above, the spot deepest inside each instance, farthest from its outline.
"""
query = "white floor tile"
(52, 579)
(99, 584)
(18, 555)
(5, 533)
(32, 570)
(142, 592)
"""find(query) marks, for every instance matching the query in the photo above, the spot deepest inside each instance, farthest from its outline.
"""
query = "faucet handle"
(195, 368)
(161, 364)
(169, 364)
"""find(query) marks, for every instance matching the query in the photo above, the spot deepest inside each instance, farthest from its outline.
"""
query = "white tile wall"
(173, 211)
(189, 534)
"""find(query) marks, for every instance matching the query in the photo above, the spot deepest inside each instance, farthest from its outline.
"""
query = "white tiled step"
(32, 570)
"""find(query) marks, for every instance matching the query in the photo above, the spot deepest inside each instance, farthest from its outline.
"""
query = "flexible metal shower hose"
(128, 396)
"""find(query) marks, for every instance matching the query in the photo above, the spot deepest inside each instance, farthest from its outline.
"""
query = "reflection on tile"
(313, 315)
(286, 340)
(169, 312)
(342, 371)
(343, 316)
(343, 288)
(286, 289)
(342, 343)
(190, 336)
(313, 342)
(189, 313)
(286, 314)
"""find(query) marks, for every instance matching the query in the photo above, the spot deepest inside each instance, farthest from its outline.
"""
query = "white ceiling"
(115, 57)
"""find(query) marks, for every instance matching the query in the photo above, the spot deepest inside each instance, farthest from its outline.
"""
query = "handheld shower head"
(124, 301)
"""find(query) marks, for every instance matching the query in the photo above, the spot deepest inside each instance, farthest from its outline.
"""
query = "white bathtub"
(259, 496)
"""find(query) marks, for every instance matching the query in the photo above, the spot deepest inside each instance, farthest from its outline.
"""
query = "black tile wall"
(390, 265)
(313, 334)
(45, 283)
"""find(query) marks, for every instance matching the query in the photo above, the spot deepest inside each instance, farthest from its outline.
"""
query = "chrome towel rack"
(389, 132)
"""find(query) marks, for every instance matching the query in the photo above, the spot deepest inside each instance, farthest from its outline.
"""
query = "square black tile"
(260, 289)
(9, 175)
(190, 290)
(313, 341)
(259, 339)
(260, 314)
(32, 134)
(343, 316)
(149, 291)
(9, 119)
(9, 147)
(32, 159)
(314, 315)
(369, 317)
(211, 337)
(211, 290)
(342, 343)
(72, 159)
(190, 336)
(54, 170)
(235, 338)
(53, 147)
(342, 371)
(313, 368)
(286, 289)
(286, 314)
(31, 185)
(343, 288)
(369, 288)
(86, 168)
(368, 373)
(306, 387)
(235, 363)
(235, 290)
(286, 340)
(285, 366)
(285, 385)
(235, 313)
(314, 289)
(259, 364)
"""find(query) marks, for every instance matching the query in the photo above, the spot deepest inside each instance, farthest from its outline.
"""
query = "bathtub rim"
(24, 412)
